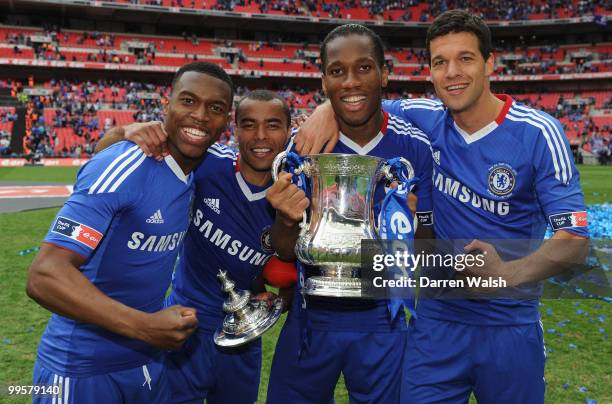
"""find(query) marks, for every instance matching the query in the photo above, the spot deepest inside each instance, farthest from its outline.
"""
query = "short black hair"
(457, 21)
(264, 95)
(205, 68)
(354, 29)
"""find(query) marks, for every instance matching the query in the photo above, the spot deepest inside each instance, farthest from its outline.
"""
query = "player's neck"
(185, 163)
(254, 177)
(363, 134)
(484, 111)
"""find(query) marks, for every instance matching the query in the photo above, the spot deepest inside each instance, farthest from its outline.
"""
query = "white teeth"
(456, 87)
(354, 98)
(195, 132)
(261, 150)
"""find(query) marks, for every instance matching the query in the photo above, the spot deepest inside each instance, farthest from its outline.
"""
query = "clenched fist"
(289, 201)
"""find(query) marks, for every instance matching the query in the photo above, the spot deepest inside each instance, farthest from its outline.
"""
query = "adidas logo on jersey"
(156, 218)
(213, 203)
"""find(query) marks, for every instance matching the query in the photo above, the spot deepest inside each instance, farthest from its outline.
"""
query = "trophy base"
(335, 287)
(247, 331)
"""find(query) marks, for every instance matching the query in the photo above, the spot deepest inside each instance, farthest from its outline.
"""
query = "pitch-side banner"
(62, 162)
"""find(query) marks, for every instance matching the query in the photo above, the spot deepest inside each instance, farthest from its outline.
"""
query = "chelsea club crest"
(502, 179)
(266, 241)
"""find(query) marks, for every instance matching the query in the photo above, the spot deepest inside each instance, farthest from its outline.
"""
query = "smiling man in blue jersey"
(502, 171)
(107, 260)
(355, 337)
(229, 230)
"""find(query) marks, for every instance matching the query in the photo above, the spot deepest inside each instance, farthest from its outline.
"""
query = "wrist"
(287, 221)
(135, 323)
(515, 277)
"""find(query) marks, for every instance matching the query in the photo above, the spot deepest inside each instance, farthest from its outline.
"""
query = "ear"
(323, 85)
(490, 65)
(165, 103)
(385, 76)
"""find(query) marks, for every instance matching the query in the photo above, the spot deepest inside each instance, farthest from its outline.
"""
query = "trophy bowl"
(341, 216)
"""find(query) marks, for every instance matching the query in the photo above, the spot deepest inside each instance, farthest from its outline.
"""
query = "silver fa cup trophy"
(246, 318)
(341, 215)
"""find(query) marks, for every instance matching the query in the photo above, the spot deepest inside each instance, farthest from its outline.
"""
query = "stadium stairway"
(18, 130)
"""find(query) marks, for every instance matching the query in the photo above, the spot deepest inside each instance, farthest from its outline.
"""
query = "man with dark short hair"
(107, 260)
(359, 338)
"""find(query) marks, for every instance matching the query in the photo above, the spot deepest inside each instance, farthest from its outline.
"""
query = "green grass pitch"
(579, 358)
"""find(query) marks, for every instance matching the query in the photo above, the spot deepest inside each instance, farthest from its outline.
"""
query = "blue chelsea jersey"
(506, 181)
(229, 230)
(127, 216)
(397, 138)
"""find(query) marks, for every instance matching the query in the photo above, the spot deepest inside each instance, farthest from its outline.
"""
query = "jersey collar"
(482, 132)
(246, 190)
(242, 184)
(176, 169)
(371, 144)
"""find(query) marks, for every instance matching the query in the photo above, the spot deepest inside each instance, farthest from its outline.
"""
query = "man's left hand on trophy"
(289, 201)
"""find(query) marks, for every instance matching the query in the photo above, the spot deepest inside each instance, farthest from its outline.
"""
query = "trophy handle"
(276, 164)
(389, 174)
(276, 167)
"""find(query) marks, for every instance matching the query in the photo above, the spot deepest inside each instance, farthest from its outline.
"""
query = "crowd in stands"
(409, 10)
(68, 118)
(5, 143)
(514, 57)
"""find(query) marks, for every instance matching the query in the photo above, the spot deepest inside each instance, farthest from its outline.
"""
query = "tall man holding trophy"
(330, 329)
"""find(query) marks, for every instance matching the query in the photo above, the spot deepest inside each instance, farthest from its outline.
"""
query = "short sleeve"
(85, 218)
(558, 181)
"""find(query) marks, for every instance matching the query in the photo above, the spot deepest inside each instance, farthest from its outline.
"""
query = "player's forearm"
(561, 252)
(68, 292)
(284, 236)
(112, 136)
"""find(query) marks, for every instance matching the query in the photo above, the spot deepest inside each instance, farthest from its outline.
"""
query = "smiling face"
(459, 72)
(196, 115)
(353, 81)
(262, 130)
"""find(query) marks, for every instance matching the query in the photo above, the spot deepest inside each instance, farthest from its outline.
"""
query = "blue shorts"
(447, 361)
(144, 384)
(202, 370)
(371, 363)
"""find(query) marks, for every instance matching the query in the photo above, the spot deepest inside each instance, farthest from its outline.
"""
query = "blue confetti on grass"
(566, 386)
(573, 346)
(591, 401)
(7, 341)
(28, 251)
(551, 331)
(582, 389)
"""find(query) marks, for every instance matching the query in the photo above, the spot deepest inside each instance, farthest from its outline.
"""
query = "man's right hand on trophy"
(267, 297)
(289, 201)
(151, 137)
